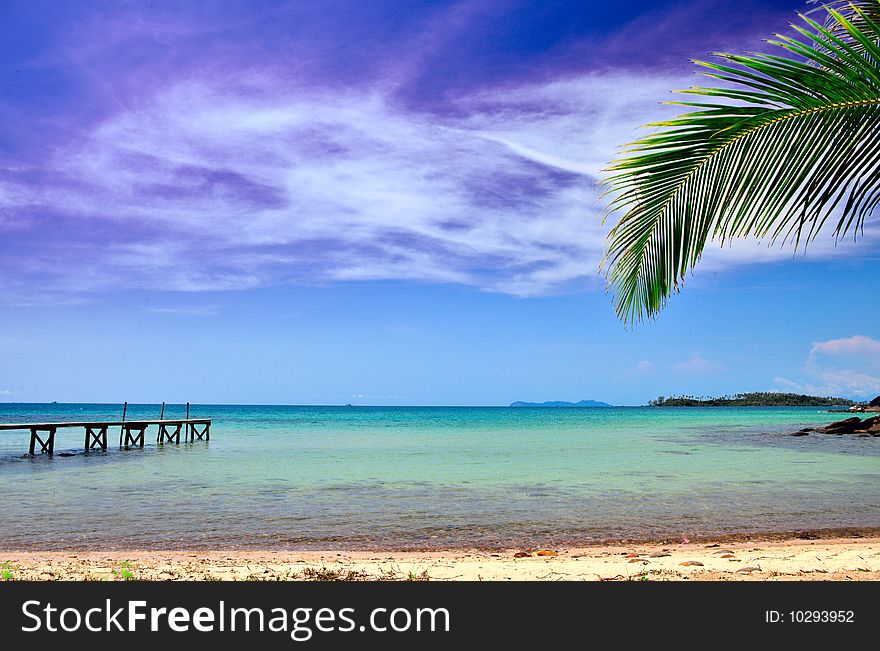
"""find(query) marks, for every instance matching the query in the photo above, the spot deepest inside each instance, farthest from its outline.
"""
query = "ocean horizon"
(371, 477)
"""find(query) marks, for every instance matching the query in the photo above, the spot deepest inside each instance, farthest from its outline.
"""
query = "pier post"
(161, 427)
(172, 435)
(124, 409)
(134, 439)
(195, 434)
(96, 438)
(47, 446)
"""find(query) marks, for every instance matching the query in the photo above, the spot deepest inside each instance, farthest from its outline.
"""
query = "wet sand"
(820, 559)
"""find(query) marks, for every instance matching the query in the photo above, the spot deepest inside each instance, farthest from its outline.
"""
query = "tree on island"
(757, 399)
(791, 139)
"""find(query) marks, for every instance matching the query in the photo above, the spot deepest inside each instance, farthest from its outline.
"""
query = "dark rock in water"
(846, 426)
(801, 433)
(875, 402)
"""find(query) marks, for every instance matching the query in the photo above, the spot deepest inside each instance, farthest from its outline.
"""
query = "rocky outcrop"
(854, 425)
(846, 426)
(869, 407)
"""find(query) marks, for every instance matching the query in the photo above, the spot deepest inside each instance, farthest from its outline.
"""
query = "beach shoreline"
(813, 556)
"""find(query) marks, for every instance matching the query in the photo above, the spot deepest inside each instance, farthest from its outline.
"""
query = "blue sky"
(375, 203)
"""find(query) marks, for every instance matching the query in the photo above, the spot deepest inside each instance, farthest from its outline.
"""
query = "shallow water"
(403, 477)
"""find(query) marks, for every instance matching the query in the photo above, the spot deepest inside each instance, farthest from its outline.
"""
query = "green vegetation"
(326, 574)
(786, 145)
(760, 399)
(7, 572)
(126, 571)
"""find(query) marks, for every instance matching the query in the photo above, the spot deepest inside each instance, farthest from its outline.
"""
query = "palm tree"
(789, 140)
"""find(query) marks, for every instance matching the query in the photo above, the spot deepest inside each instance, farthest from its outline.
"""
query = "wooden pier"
(132, 433)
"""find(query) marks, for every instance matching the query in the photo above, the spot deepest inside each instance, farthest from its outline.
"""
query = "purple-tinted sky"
(190, 151)
(233, 145)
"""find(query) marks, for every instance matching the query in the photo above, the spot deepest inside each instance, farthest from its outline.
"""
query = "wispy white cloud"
(868, 347)
(847, 366)
(206, 310)
(643, 368)
(696, 364)
(212, 186)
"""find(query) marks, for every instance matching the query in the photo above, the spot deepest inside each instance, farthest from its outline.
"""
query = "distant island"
(761, 399)
(561, 403)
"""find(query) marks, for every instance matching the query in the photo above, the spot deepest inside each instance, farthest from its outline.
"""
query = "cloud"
(848, 366)
(697, 364)
(855, 345)
(641, 369)
(206, 310)
(835, 383)
(222, 184)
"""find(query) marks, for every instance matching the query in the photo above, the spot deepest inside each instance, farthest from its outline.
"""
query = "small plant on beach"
(639, 577)
(412, 576)
(7, 572)
(326, 574)
(125, 572)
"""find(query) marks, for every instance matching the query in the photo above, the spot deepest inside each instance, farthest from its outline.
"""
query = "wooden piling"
(124, 409)
(161, 417)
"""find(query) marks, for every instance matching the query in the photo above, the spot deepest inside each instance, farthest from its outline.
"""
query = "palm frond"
(789, 140)
(847, 8)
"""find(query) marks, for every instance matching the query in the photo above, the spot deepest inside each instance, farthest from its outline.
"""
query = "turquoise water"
(401, 477)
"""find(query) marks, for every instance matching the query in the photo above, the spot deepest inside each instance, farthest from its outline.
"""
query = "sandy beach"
(751, 560)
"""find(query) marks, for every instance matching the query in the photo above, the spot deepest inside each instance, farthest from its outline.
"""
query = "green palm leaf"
(790, 140)
(847, 8)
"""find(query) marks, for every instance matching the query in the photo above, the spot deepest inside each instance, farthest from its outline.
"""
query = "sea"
(307, 477)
